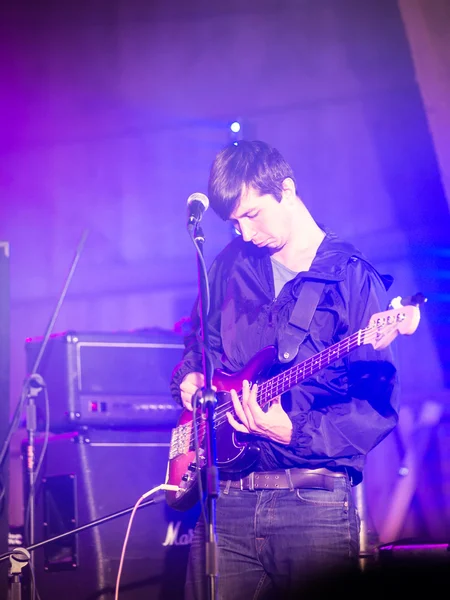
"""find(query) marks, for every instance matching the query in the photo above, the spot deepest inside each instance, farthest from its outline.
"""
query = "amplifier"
(107, 379)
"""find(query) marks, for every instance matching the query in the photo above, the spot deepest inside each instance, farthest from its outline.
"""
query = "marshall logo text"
(174, 538)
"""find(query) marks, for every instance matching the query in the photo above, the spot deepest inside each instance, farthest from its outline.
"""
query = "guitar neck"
(283, 382)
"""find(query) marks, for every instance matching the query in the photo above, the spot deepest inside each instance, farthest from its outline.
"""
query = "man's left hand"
(250, 418)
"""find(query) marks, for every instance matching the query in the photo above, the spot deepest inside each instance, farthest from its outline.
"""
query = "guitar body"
(235, 452)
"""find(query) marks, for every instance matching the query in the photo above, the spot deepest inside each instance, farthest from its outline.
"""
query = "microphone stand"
(19, 557)
(32, 386)
(208, 404)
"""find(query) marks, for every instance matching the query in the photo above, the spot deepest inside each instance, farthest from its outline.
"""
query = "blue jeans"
(271, 542)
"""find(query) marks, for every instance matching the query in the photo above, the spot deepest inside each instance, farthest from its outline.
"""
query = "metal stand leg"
(365, 550)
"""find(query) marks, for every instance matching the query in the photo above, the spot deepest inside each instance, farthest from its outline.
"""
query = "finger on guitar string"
(250, 405)
(276, 400)
(235, 424)
(239, 415)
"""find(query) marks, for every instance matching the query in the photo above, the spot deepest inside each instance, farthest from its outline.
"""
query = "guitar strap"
(300, 320)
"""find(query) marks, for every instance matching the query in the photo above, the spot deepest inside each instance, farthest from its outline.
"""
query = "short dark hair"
(246, 163)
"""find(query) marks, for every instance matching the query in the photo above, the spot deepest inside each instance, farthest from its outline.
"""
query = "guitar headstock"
(384, 326)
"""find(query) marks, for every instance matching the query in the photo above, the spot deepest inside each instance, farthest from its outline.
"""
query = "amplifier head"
(109, 379)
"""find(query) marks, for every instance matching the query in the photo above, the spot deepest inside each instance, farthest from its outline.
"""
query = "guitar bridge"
(180, 440)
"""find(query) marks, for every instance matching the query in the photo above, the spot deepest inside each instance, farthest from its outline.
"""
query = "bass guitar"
(237, 452)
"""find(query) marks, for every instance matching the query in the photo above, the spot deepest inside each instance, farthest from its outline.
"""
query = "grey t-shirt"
(281, 275)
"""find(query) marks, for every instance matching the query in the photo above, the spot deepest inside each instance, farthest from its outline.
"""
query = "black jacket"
(346, 409)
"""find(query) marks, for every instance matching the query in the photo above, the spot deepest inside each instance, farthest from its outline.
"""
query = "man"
(292, 516)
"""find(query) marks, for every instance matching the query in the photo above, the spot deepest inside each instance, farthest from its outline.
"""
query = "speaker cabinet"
(91, 474)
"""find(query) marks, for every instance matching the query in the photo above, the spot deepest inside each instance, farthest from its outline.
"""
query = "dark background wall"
(111, 115)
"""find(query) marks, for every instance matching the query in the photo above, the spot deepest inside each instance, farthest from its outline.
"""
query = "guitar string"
(350, 343)
(273, 387)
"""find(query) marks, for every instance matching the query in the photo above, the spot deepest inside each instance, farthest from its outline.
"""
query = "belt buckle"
(251, 482)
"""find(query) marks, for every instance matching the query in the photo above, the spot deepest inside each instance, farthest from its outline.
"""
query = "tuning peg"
(415, 300)
(395, 303)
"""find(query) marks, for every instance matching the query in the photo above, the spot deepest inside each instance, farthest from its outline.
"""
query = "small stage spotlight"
(236, 131)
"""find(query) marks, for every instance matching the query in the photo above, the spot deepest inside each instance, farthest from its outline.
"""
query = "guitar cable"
(165, 487)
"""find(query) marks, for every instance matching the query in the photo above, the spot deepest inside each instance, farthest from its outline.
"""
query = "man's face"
(262, 220)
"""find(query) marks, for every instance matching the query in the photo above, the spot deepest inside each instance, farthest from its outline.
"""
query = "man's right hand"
(190, 384)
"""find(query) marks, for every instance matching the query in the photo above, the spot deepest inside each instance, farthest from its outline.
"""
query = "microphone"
(197, 204)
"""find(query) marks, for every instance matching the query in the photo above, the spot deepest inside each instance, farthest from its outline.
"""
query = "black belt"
(289, 479)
